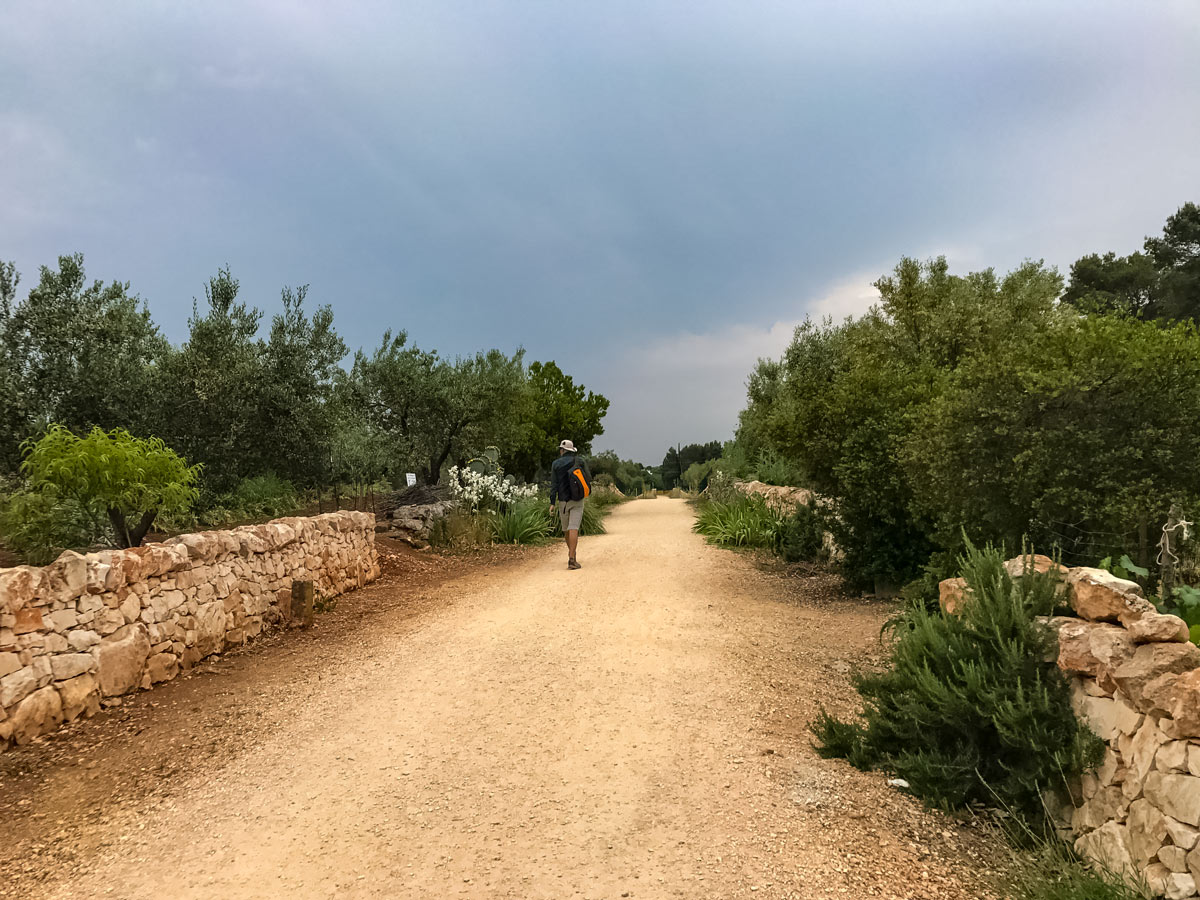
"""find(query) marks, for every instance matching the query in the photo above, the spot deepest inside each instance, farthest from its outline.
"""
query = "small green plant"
(522, 523)
(1124, 567)
(460, 530)
(968, 710)
(1050, 870)
(324, 603)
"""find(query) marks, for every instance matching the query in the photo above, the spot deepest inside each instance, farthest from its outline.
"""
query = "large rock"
(952, 595)
(1108, 718)
(1092, 648)
(1108, 844)
(1178, 796)
(38, 713)
(18, 587)
(1106, 804)
(210, 628)
(80, 696)
(1143, 749)
(1150, 661)
(1100, 596)
(1183, 836)
(66, 577)
(17, 685)
(1157, 628)
(68, 665)
(121, 660)
(1147, 828)
(1178, 696)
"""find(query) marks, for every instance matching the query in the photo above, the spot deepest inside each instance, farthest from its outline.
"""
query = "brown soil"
(499, 728)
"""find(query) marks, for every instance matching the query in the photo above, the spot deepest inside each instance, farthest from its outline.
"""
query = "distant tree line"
(996, 408)
(244, 396)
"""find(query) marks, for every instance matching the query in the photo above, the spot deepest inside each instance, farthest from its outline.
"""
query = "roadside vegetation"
(268, 415)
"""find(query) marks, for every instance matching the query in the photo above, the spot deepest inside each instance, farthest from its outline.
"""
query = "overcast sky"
(650, 193)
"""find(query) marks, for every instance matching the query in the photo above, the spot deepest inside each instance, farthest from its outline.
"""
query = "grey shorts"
(570, 514)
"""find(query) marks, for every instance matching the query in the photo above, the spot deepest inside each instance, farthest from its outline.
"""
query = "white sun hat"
(568, 446)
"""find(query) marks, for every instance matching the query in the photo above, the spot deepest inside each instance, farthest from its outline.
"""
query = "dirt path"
(634, 729)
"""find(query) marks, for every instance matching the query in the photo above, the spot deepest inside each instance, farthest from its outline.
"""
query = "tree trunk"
(139, 533)
(125, 537)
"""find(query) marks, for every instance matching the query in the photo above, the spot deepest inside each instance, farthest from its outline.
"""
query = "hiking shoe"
(572, 564)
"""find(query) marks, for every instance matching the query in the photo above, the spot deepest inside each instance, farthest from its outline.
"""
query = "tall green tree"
(297, 416)
(1176, 255)
(1125, 285)
(212, 384)
(555, 408)
(75, 353)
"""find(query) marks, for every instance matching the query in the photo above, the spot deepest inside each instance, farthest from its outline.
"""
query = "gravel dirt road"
(633, 729)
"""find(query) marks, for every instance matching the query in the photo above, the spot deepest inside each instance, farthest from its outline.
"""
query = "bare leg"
(572, 543)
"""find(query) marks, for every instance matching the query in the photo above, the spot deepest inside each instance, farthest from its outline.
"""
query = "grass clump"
(968, 711)
(745, 521)
(1052, 871)
(521, 523)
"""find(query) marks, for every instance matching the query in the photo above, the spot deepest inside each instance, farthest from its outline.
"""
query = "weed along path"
(633, 729)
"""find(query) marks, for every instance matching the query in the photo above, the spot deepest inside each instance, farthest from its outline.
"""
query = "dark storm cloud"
(691, 178)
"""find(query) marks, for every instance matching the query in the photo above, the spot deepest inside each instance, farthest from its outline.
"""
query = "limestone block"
(130, 608)
(66, 577)
(210, 628)
(40, 665)
(1092, 648)
(1178, 796)
(69, 665)
(38, 713)
(1109, 719)
(1108, 844)
(1172, 757)
(1177, 695)
(18, 587)
(80, 696)
(1100, 596)
(62, 619)
(121, 659)
(1150, 661)
(1183, 836)
(81, 639)
(1193, 763)
(200, 546)
(1162, 882)
(160, 667)
(1147, 829)
(1106, 804)
(89, 603)
(54, 643)
(1143, 749)
(97, 577)
(1154, 627)
(9, 663)
(16, 686)
(1174, 858)
(28, 619)
(105, 622)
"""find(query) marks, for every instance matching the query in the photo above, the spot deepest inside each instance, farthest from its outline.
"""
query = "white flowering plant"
(480, 490)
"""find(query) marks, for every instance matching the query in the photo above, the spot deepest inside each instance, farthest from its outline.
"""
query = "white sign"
(412, 479)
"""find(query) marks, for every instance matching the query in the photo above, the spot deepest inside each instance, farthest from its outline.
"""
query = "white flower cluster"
(477, 490)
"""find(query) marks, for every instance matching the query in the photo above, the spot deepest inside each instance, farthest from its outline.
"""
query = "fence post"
(303, 595)
(1166, 555)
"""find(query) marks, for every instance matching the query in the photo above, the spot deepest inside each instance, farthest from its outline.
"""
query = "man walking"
(570, 511)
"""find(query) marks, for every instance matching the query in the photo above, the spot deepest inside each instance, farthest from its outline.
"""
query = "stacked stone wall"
(93, 626)
(1135, 681)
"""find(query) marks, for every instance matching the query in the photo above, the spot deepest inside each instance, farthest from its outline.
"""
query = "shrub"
(263, 497)
(746, 521)
(722, 487)
(969, 711)
(774, 469)
(803, 535)
(128, 477)
(460, 529)
(521, 523)
(39, 525)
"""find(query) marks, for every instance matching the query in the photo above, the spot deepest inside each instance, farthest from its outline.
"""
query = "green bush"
(803, 536)
(521, 523)
(775, 469)
(968, 710)
(39, 525)
(745, 521)
(263, 497)
(132, 479)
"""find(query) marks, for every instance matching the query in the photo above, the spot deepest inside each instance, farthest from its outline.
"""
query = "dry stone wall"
(94, 626)
(1135, 680)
